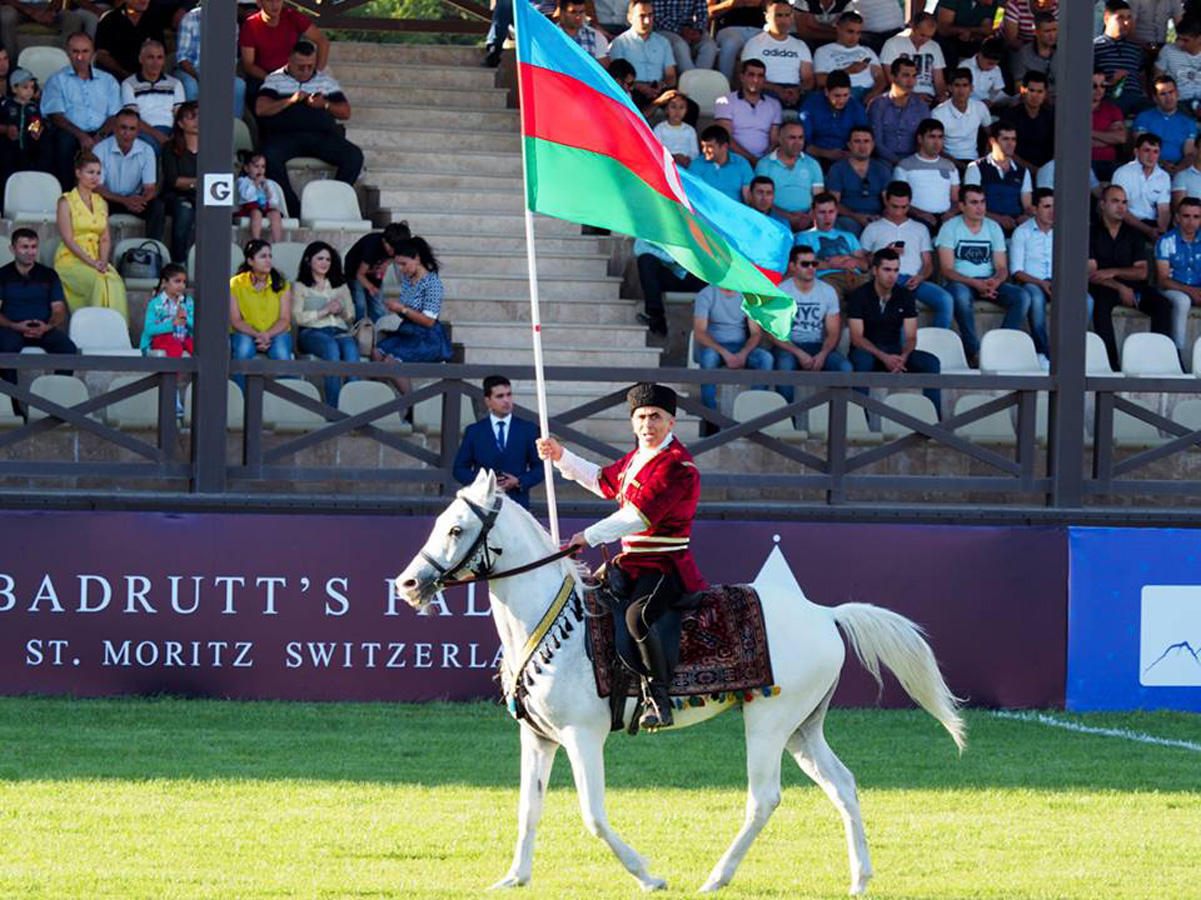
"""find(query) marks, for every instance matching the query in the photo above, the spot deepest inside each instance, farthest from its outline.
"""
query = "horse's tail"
(880, 635)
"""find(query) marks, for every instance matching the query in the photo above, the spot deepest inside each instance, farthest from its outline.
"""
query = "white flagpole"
(552, 509)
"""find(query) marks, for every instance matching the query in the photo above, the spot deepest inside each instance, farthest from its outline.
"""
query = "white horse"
(481, 527)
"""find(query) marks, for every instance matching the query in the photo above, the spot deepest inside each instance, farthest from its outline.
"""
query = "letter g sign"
(218, 189)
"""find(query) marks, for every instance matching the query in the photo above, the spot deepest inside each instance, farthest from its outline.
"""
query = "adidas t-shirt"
(783, 59)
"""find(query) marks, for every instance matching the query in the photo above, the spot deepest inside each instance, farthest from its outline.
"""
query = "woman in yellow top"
(260, 308)
(81, 260)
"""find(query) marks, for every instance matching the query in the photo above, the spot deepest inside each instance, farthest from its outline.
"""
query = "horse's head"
(458, 543)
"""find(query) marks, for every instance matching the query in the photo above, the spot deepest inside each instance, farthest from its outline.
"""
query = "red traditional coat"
(665, 492)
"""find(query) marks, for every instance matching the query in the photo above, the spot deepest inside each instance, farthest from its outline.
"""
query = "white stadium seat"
(138, 411)
(917, 405)
(1150, 355)
(235, 260)
(235, 406)
(360, 396)
(42, 62)
(331, 205)
(947, 346)
(65, 390)
(31, 197)
(750, 404)
(857, 429)
(284, 415)
(703, 86)
(286, 256)
(101, 332)
(1007, 351)
(1096, 357)
(994, 429)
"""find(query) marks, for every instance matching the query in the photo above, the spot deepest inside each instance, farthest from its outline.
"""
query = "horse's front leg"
(585, 749)
(537, 757)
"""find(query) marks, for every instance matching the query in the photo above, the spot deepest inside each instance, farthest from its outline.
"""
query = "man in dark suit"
(501, 442)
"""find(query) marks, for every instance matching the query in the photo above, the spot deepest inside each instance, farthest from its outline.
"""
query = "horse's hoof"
(858, 888)
(509, 881)
(653, 884)
(710, 886)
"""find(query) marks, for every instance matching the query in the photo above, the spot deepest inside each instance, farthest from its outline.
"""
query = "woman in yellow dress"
(81, 260)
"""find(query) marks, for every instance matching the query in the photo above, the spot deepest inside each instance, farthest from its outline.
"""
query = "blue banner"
(1134, 619)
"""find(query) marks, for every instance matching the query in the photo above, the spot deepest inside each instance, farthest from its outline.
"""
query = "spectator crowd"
(927, 146)
(912, 161)
(119, 133)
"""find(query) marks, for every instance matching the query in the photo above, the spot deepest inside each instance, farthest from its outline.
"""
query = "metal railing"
(831, 472)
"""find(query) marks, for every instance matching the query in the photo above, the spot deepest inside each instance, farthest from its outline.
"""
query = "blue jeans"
(332, 344)
(708, 358)
(786, 362)
(241, 346)
(1038, 316)
(183, 230)
(919, 363)
(1009, 296)
(1037, 303)
(191, 90)
(365, 304)
(936, 300)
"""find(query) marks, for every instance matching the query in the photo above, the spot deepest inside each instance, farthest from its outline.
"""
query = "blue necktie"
(500, 435)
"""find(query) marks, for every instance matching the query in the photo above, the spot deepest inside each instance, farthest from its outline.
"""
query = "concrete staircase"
(443, 153)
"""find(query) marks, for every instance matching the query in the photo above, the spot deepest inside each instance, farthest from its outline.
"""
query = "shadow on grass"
(476, 745)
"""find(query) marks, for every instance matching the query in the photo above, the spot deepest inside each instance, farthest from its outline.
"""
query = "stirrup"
(657, 712)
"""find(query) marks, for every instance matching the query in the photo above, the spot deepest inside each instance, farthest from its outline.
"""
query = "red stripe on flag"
(773, 276)
(563, 110)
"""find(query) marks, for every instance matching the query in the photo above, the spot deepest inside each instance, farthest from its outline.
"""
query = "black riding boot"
(655, 688)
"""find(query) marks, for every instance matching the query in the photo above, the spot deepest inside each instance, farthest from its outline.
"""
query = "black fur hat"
(647, 394)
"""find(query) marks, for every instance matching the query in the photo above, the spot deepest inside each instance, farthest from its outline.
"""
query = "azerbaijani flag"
(590, 157)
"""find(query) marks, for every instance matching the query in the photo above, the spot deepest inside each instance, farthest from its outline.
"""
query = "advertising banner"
(301, 606)
(1134, 632)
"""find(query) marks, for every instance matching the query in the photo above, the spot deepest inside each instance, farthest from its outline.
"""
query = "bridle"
(482, 569)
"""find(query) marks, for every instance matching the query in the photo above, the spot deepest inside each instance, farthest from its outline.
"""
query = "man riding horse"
(657, 487)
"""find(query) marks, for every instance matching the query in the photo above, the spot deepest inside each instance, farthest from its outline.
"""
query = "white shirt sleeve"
(579, 470)
(626, 520)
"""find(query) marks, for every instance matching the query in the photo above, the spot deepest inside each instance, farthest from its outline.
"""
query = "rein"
(520, 570)
(483, 572)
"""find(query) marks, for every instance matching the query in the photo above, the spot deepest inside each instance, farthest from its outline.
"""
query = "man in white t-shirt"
(962, 117)
(1148, 188)
(988, 81)
(1182, 60)
(933, 178)
(911, 239)
(848, 54)
(787, 59)
(917, 42)
(881, 20)
(816, 322)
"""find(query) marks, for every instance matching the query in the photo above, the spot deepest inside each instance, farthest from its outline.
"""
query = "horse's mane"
(574, 567)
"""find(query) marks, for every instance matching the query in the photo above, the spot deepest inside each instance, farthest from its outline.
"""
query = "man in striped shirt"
(299, 109)
(1121, 58)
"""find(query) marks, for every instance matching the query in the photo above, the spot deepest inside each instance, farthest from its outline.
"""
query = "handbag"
(389, 322)
(142, 261)
(363, 331)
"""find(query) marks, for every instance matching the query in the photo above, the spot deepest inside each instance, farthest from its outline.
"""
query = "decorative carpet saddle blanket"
(723, 648)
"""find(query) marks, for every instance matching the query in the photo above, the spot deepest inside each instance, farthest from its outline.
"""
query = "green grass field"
(176, 798)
